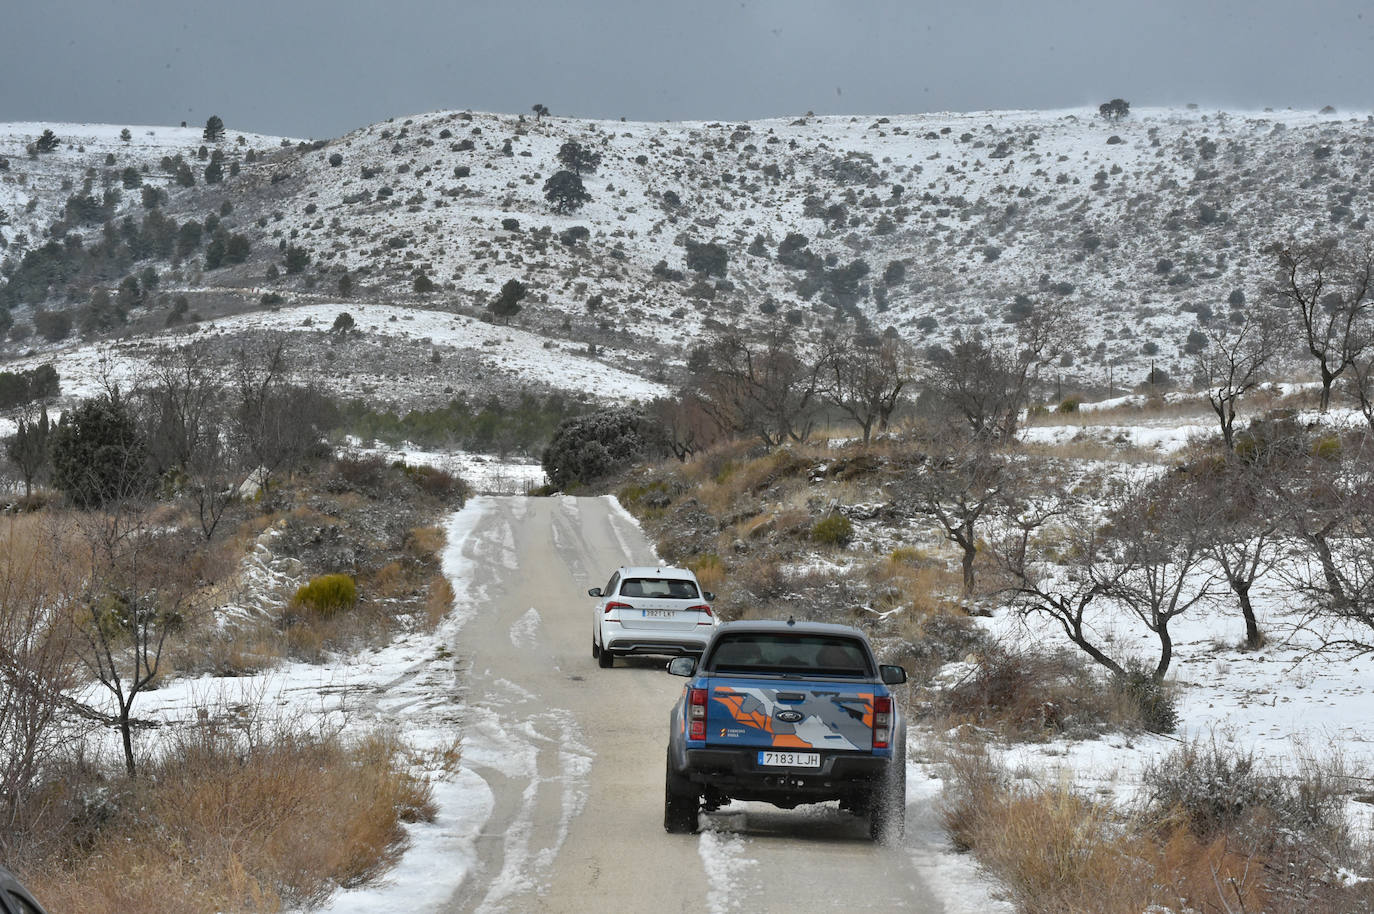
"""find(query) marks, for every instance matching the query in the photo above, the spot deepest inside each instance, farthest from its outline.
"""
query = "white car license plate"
(657, 613)
(790, 759)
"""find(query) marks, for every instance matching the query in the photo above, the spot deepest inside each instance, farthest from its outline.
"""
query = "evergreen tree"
(125, 135)
(346, 285)
(214, 129)
(98, 454)
(297, 259)
(214, 172)
(1115, 109)
(565, 191)
(236, 249)
(577, 157)
(507, 303)
(48, 142)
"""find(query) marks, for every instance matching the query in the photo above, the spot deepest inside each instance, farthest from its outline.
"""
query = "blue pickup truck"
(787, 713)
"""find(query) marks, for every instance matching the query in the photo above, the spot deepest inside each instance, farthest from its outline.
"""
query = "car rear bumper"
(620, 640)
(736, 773)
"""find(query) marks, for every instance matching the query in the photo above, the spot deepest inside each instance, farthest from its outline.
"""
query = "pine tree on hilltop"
(48, 142)
(1115, 109)
(214, 129)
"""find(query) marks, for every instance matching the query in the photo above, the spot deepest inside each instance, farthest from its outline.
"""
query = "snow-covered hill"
(928, 224)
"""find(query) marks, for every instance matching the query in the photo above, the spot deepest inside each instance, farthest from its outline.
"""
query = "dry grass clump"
(1212, 845)
(710, 571)
(228, 821)
(438, 600)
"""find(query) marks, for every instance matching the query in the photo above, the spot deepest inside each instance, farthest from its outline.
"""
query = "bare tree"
(1245, 530)
(37, 661)
(1326, 287)
(1158, 535)
(1072, 594)
(27, 448)
(1146, 562)
(865, 375)
(1235, 360)
(277, 422)
(185, 415)
(988, 385)
(958, 490)
(1327, 499)
(182, 398)
(686, 425)
(768, 389)
(138, 590)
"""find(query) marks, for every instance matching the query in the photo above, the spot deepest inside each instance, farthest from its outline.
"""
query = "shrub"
(1220, 789)
(1028, 694)
(98, 453)
(834, 530)
(587, 448)
(1149, 698)
(327, 594)
(1069, 405)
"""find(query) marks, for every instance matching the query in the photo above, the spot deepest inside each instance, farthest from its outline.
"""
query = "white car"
(651, 610)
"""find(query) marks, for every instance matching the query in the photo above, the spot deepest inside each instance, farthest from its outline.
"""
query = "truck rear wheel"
(887, 805)
(681, 802)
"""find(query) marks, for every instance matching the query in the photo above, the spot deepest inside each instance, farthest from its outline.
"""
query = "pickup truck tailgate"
(768, 713)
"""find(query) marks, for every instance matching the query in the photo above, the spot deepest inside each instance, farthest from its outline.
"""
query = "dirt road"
(574, 754)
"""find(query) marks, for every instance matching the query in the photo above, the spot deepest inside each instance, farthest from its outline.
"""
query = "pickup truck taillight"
(605, 610)
(702, 608)
(882, 721)
(696, 714)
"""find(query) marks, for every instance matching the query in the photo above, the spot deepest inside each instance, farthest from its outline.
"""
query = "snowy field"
(486, 474)
(86, 369)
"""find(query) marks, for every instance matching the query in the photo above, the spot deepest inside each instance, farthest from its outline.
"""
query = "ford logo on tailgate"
(789, 717)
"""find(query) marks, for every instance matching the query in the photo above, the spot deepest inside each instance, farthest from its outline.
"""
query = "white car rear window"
(659, 588)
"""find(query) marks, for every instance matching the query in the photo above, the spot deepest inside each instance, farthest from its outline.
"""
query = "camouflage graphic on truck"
(745, 714)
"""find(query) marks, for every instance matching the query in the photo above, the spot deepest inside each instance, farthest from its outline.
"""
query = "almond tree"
(1326, 287)
(1326, 499)
(959, 490)
(1235, 360)
(766, 388)
(865, 376)
(988, 384)
(137, 591)
(1144, 560)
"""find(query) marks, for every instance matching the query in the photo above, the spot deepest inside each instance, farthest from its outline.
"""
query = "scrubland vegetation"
(177, 530)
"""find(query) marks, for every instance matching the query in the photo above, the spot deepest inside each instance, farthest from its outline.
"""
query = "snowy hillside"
(928, 224)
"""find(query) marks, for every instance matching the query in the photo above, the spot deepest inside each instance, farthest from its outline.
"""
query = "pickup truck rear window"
(763, 653)
(660, 588)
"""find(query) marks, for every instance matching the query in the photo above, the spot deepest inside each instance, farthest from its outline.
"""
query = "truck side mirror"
(594, 592)
(892, 674)
(682, 666)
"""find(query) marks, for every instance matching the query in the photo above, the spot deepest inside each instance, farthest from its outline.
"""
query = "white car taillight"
(606, 610)
(704, 610)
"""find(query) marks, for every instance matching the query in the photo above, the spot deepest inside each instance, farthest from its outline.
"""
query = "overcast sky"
(308, 68)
